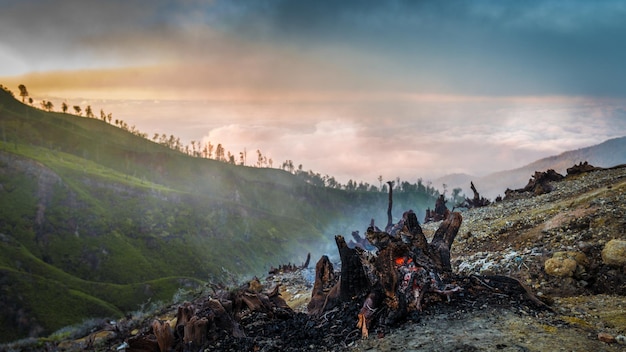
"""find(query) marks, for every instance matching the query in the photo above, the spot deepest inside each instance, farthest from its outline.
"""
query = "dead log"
(538, 184)
(142, 343)
(511, 287)
(581, 168)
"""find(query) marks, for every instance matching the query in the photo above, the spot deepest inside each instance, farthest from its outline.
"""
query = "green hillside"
(95, 221)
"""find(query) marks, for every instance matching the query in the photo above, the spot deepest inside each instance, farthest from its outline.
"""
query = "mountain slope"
(96, 221)
(523, 238)
(609, 153)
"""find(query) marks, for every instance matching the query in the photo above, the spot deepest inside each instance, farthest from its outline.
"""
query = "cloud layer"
(353, 89)
(454, 47)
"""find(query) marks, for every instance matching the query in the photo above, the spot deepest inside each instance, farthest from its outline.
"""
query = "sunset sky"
(352, 89)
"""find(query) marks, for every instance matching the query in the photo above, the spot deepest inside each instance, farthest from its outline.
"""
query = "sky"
(351, 89)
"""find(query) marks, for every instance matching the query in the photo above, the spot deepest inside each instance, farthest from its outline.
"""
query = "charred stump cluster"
(538, 184)
(477, 201)
(210, 319)
(290, 268)
(441, 211)
(394, 280)
(386, 277)
(403, 275)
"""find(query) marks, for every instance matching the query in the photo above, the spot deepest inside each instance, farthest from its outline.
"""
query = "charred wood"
(442, 242)
(477, 201)
(288, 268)
(142, 343)
(324, 280)
(539, 183)
(398, 277)
(353, 279)
(440, 212)
(164, 335)
(389, 206)
(581, 168)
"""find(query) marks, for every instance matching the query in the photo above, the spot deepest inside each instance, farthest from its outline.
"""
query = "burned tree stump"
(440, 212)
(477, 201)
(289, 268)
(353, 280)
(164, 335)
(324, 282)
(405, 268)
(538, 184)
(395, 279)
(581, 168)
(441, 244)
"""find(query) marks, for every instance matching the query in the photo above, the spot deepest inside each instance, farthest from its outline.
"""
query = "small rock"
(614, 253)
(564, 264)
(621, 339)
(604, 337)
(560, 267)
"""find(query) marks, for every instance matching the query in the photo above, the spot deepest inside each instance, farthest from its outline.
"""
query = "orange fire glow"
(403, 261)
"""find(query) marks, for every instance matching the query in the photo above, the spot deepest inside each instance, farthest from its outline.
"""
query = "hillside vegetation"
(566, 246)
(95, 221)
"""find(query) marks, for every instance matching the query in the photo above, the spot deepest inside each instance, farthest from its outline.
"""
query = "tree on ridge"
(23, 91)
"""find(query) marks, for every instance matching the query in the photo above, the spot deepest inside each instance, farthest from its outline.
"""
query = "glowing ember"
(403, 261)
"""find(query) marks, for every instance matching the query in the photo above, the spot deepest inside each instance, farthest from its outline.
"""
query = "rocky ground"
(560, 245)
(567, 246)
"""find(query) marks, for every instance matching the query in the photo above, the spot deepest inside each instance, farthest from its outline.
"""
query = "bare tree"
(88, 111)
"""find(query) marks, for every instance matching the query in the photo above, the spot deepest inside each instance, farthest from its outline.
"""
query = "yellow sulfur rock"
(614, 253)
(564, 264)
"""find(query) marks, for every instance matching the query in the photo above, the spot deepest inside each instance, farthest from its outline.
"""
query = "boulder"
(614, 253)
(566, 264)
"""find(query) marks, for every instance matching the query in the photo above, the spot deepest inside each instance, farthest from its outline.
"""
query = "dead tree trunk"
(389, 218)
(442, 242)
(324, 281)
(353, 279)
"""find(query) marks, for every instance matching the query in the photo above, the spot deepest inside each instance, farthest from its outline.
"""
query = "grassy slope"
(98, 220)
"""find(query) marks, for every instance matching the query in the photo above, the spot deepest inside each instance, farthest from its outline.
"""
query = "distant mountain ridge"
(606, 154)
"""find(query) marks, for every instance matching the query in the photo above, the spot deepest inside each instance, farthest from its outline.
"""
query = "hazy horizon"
(354, 89)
